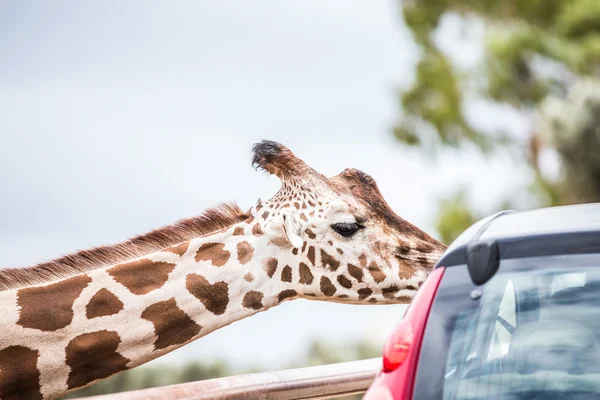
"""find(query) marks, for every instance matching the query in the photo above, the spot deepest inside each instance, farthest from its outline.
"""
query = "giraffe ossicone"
(84, 317)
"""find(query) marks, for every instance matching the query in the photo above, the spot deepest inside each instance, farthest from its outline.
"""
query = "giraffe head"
(86, 316)
(338, 235)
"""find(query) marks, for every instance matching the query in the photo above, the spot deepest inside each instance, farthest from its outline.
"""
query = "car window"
(567, 280)
(532, 332)
(505, 323)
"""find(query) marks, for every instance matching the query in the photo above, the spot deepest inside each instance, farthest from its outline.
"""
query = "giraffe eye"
(346, 229)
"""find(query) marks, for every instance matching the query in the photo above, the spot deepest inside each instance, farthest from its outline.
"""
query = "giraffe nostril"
(402, 251)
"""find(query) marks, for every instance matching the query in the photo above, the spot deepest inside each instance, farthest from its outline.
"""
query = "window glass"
(505, 323)
(534, 333)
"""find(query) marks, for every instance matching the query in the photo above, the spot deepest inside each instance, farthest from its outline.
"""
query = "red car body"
(401, 351)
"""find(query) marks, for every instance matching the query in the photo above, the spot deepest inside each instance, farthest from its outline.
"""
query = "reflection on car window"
(505, 323)
(567, 280)
(535, 334)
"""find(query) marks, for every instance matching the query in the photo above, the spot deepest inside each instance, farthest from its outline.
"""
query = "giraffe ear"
(277, 159)
(284, 230)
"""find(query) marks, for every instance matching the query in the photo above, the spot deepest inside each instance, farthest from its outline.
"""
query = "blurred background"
(119, 117)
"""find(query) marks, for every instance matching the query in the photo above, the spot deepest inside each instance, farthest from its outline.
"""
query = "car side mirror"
(483, 260)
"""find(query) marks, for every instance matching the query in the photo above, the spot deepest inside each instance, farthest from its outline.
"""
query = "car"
(511, 311)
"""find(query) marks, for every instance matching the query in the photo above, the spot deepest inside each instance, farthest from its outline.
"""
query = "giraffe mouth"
(399, 300)
(422, 260)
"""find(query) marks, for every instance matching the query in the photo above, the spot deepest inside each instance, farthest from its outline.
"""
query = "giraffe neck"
(72, 332)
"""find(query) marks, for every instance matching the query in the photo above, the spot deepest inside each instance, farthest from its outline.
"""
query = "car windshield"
(532, 332)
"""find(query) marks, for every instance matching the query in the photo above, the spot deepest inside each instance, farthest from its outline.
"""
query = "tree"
(541, 57)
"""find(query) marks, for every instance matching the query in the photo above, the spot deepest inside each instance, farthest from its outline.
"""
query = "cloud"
(117, 119)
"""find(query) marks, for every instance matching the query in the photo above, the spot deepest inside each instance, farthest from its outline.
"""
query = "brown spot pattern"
(171, 324)
(253, 300)
(340, 251)
(329, 261)
(310, 234)
(271, 266)
(406, 270)
(238, 231)
(50, 307)
(327, 287)
(403, 248)
(311, 255)
(265, 215)
(215, 297)
(306, 276)
(424, 262)
(213, 252)
(286, 294)
(249, 277)
(303, 247)
(344, 282)
(286, 274)
(142, 276)
(355, 272)
(295, 251)
(257, 230)
(179, 249)
(103, 303)
(378, 248)
(364, 188)
(244, 252)
(425, 247)
(390, 292)
(93, 356)
(364, 293)
(19, 376)
(362, 260)
(376, 272)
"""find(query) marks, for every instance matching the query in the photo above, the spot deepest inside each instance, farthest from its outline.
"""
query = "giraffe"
(84, 317)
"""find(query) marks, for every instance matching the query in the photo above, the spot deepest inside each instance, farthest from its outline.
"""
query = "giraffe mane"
(210, 221)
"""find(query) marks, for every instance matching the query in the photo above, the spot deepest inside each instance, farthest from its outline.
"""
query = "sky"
(120, 117)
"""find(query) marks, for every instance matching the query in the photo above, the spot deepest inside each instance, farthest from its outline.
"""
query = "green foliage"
(572, 126)
(454, 216)
(437, 100)
(329, 352)
(510, 77)
(535, 52)
(579, 18)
